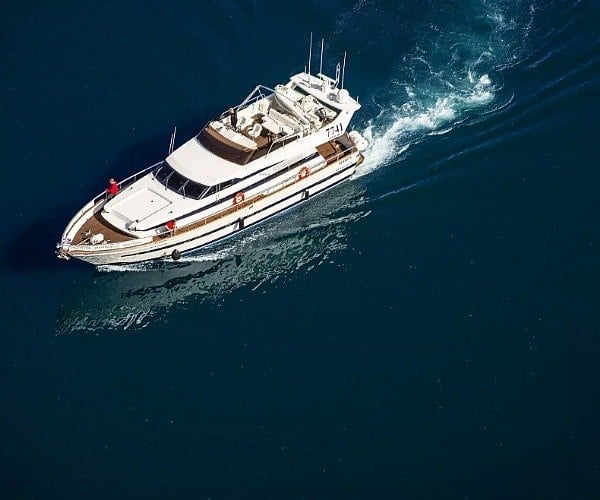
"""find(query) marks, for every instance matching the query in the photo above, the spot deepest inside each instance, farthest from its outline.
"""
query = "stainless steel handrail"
(102, 196)
(131, 179)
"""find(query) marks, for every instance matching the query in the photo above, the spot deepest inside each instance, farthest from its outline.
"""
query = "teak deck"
(94, 225)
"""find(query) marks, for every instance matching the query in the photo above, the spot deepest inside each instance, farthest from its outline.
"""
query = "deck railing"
(91, 205)
(100, 198)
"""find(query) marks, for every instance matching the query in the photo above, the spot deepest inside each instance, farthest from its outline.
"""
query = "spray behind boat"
(326, 82)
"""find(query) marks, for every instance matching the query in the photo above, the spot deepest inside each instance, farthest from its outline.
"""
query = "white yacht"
(276, 149)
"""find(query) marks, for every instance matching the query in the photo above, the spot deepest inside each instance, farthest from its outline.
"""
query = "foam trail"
(138, 268)
(395, 130)
(153, 266)
(209, 257)
(453, 72)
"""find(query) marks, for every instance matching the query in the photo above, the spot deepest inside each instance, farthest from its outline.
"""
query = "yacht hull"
(183, 240)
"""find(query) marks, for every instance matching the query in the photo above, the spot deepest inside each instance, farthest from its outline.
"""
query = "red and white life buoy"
(304, 173)
(238, 198)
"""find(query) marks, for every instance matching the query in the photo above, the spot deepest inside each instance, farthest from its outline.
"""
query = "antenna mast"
(321, 65)
(343, 70)
(172, 143)
(309, 57)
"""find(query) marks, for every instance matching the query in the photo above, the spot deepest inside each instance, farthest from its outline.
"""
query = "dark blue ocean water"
(427, 330)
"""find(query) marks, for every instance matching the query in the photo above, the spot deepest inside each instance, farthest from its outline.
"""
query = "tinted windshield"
(173, 180)
(194, 190)
(176, 181)
(162, 172)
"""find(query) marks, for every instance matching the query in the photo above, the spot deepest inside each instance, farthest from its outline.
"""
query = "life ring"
(238, 198)
(304, 173)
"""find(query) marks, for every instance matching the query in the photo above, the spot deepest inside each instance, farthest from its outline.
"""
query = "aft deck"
(336, 149)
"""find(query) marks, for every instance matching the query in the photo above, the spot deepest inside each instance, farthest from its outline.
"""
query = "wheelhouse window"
(176, 181)
(162, 172)
(173, 180)
(194, 190)
(225, 185)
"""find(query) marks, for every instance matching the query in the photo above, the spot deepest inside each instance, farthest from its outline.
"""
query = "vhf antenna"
(172, 143)
(309, 57)
(321, 65)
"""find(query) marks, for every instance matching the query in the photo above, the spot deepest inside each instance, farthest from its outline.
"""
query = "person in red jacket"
(113, 189)
(170, 227)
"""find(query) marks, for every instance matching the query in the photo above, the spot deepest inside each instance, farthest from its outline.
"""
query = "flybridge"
(307, 108)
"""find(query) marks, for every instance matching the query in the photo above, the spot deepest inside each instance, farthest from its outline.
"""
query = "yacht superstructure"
(277, 148)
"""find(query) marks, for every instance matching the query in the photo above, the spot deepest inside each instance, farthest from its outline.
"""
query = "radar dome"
(343, 96)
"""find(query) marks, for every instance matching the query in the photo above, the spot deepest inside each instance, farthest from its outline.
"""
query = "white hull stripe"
(282, 200)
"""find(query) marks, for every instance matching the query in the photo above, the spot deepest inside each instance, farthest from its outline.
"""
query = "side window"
(225, 185)
(194, 190)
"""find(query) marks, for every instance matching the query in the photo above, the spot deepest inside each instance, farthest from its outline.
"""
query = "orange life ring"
(304, 173)
(238, 198)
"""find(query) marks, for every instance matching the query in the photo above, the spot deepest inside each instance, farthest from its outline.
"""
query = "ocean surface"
(428, 329)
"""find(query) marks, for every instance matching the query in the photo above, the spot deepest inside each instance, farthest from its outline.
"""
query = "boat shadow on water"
(32, 246)
(130, 297)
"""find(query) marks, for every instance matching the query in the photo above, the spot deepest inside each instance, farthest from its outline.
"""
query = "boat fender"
(96, 239)
(359, 141)
(238, 198)
(175, 254)
(304, 173)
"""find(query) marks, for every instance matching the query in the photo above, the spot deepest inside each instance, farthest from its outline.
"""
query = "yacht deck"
(331, 151)
(96, 224)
